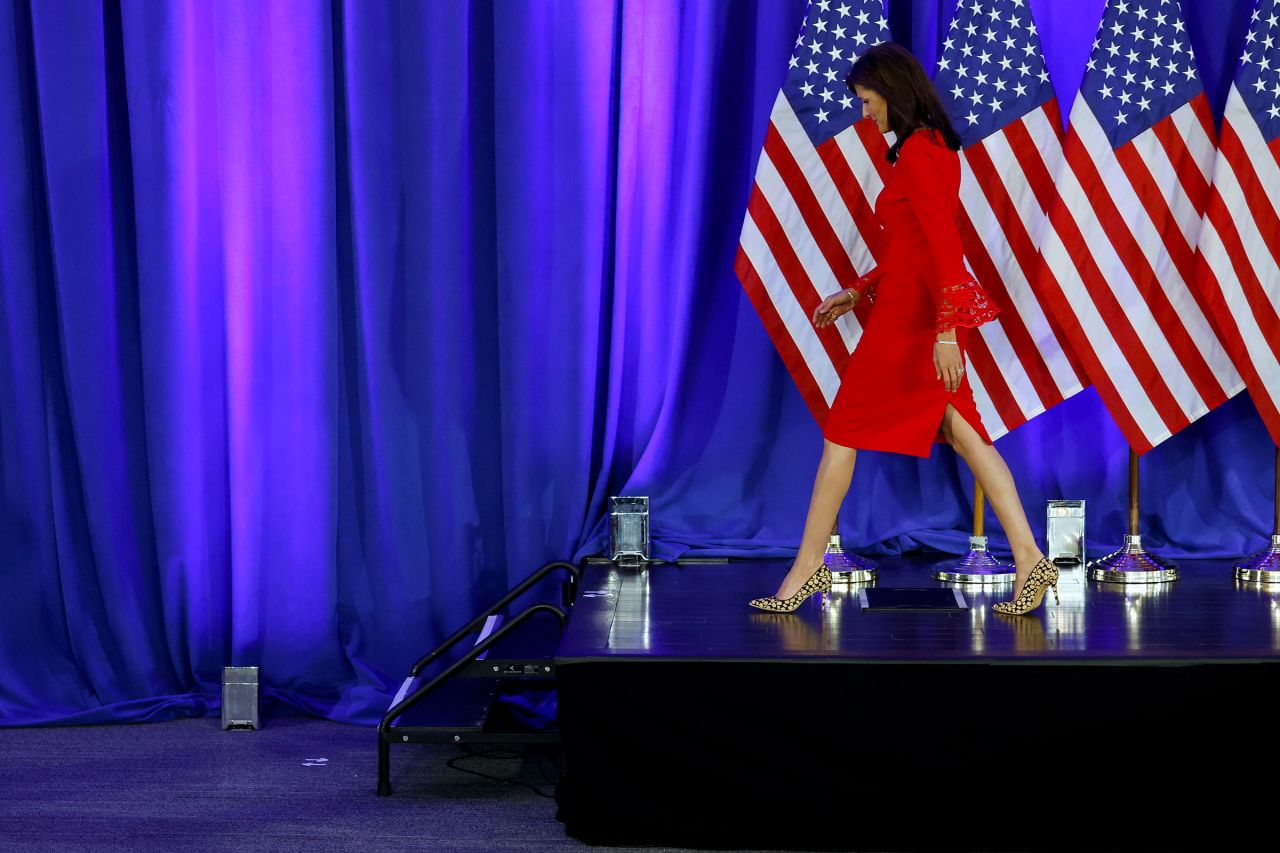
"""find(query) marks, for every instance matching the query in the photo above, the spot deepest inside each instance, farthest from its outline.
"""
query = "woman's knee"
(957, 431)
(948, 434)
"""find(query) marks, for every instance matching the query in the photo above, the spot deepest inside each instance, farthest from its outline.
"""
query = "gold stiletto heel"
(819, 582)
(1044, 575)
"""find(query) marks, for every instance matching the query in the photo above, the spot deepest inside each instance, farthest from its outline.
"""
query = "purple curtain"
(323, 322)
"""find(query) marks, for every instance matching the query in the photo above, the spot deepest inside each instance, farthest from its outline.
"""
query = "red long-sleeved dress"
(890, 397)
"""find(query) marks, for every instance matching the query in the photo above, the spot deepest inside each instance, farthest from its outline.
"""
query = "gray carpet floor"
(296, 784)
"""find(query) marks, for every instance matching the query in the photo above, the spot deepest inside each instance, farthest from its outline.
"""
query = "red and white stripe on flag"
(809, 228)
(1240, 240)
(1120, 246)
(992, 77)
(1020, 366)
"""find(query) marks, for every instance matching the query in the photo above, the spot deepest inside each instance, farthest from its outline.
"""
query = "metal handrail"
(517, 591)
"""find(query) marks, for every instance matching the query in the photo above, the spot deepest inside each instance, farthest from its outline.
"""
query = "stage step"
(526, 653)
(461, 711)
(457, 705)
(498, 689)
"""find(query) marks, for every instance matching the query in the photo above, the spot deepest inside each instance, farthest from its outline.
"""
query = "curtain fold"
(322, 323)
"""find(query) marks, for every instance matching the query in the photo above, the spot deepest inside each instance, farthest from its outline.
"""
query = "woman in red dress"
(904, 386)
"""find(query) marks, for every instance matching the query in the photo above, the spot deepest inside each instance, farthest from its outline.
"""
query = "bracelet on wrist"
(953, 343)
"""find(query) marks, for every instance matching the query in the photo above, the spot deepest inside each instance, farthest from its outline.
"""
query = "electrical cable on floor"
(497, 755)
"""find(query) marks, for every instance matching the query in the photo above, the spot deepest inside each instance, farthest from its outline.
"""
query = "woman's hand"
(833, 307)
(948, 363)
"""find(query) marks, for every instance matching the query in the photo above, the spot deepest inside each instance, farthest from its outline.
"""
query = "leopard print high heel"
(819, 582)
(1044, 575)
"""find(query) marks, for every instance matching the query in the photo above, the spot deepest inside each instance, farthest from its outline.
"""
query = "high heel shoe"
(1044, 574)
(819, 581)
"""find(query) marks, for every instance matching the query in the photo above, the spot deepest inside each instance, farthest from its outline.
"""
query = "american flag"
(993, 79)
(1240, 240)
(809, 228)
(1120, 247)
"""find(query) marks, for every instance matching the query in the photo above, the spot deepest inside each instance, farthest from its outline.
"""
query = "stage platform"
(688, 718)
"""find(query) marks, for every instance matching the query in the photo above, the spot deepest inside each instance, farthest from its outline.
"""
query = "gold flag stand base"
(1132, 563)
(978, 566)
(847, 568)
(1264, 567)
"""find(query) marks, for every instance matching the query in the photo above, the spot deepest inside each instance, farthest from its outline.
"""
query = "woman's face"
(874, 107)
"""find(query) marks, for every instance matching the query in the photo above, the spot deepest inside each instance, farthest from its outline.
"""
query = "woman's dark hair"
(896, 75)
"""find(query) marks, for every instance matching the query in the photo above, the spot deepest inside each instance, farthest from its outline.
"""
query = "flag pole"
(977, 566)
(1133, 563)
(846, 568)
(1264, 567)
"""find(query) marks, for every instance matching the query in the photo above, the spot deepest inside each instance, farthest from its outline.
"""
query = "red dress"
(890, 397)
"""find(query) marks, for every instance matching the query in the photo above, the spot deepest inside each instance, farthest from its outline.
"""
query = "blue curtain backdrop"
(322, 322)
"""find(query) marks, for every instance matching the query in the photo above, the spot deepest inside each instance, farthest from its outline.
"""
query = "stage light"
(629, 530)
(240, 697)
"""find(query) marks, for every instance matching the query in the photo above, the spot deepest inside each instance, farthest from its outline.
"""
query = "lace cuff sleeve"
(865, 287)
(965, 304)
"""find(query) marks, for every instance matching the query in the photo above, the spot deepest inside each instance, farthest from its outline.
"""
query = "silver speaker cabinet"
(629, 530)
(1064, 532)
(240, 697)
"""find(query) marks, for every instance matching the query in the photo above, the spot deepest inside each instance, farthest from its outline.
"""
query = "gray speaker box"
(240, 697)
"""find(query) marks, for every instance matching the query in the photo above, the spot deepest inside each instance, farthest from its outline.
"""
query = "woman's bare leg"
(991, 472)
(835, 472)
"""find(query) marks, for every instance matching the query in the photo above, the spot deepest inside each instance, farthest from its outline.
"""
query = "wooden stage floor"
(699, 611)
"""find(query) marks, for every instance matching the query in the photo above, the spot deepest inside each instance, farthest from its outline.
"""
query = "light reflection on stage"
(1137, 603)
(1268, 594)
(1068, 619)
(1275, 623)
(700, 610)
(792, 635)
(632, 614)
